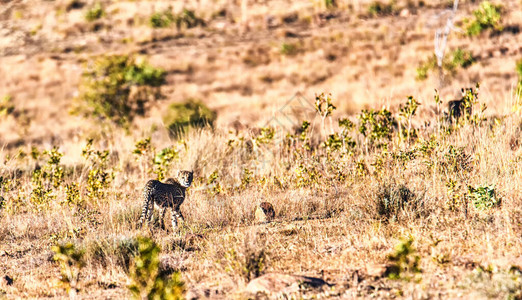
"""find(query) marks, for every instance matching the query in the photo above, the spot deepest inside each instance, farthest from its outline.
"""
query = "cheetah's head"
(185, 178)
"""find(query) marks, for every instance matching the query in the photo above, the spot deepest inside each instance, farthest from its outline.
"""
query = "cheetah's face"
(185, 178)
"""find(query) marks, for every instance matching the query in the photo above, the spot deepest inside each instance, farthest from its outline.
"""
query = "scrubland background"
(303, 104)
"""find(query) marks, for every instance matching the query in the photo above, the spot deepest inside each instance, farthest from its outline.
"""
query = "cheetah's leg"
(162, 217)
(150, 211)
(176, 213)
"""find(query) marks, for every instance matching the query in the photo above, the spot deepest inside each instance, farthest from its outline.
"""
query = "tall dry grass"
(336, 210)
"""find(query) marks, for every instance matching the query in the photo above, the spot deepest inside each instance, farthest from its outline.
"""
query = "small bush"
(483, 197)
(376, 125)
(95, 12)
(405, 261)
(451, 63)
(192, 113)
(392, 199)
(6, 105)
(161, 19)
(378, 8)
(188, 19)
(488, 16)
(71, 262)
(148, 280)
(289, 49)
(117, 88)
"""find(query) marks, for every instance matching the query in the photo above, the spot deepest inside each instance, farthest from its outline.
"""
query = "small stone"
(264, 213)
(276, 285)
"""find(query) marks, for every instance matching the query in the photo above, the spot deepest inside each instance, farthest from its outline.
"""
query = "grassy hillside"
(335, 112)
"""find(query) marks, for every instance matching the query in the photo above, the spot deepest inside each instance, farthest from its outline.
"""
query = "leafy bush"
(393, 198)
(451, 63)
(188, 19)
(117, 88)
(378, 8)
(192, 113)
(376, 125)
(161, 19)
(95, 12)
(405, 261)
(6, 105)
(162, 161)
(483, 197)
(148, 280)
(100, 175)
(289, 49)
(71, 261)
(46, 179)
(488, 16)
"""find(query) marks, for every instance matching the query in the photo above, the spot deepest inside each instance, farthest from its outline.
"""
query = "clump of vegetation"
(405, 262)
(117, 88)
(71, 262)
(376, 126)
(392, 199)
(483, 197)
(406, 113)
(488, 16)
(100, 175)
(161, 19)
(162, 161)
(289, 49)
(47, 179)
(191, 113)
(6, 105)
(377, 8)
(451, 63)
(95, 12)
(148, 280)
(187, 19)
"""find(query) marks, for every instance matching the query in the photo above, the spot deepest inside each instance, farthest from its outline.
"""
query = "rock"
(264, 213)
(275, 285)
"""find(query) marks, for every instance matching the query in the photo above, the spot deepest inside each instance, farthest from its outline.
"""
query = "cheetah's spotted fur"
(164, 195)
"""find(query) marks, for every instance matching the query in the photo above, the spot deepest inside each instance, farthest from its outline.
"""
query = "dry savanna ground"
(382, 187)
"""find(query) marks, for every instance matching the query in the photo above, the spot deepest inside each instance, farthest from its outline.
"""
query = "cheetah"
(164, 195)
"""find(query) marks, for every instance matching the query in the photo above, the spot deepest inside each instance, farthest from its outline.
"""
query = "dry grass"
(339, 214)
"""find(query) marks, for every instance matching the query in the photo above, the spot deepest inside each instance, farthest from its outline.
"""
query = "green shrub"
(95, 12)
(161, 19)
(162, 161)
(117, 88)
(100, 175)
(376, 125)
(451, 63)
(71, 262)
(289, 49)
(378, 8)
(483, 197)
(148, 280)
(47, 179)
(192, 113)
(188, 19)
(6, 105)
(405, 261)
(488, 16)
(393, 198)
